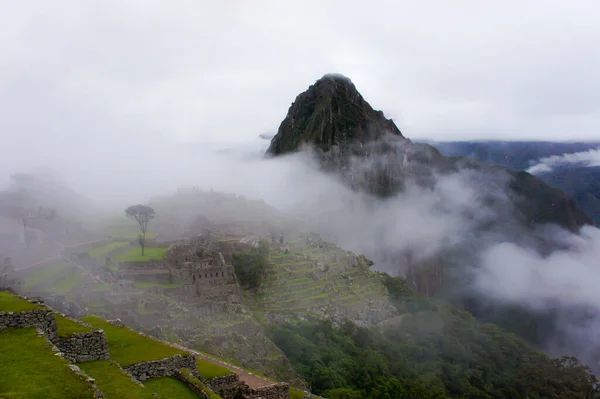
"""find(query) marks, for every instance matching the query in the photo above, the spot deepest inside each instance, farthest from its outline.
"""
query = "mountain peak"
(330, 112)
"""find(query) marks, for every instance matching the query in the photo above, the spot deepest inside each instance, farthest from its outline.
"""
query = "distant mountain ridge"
(370, 153)
(579, 181)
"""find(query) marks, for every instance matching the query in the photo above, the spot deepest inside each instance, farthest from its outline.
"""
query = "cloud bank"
(585, 158)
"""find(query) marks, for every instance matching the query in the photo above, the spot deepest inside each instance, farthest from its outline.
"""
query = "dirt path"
(252, 380)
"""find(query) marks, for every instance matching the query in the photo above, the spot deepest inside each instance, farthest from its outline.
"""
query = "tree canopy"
(142, 214)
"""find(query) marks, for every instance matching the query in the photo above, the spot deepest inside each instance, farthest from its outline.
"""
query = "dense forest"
(431, 351)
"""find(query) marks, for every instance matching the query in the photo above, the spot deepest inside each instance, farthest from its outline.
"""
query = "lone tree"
(141, 214)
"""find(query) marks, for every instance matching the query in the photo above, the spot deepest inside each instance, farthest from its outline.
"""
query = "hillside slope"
(579, 181)
(368, 151)
(113, 361)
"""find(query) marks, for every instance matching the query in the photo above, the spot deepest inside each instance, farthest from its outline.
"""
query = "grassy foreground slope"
(29, 369)
(113, 382)
(128, 347)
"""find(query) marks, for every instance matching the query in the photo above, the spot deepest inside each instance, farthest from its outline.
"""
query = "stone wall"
(38, 318)
(192, 383)
(84, 347)
(226, 386)
(280, 390)
(161, 368)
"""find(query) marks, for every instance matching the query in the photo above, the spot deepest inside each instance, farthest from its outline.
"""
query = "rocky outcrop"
(161, 368)
(331, 112)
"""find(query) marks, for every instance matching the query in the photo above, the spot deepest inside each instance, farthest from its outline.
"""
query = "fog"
(127, 100)
(585, 158)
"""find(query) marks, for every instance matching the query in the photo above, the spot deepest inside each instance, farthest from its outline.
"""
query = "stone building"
(197, 262)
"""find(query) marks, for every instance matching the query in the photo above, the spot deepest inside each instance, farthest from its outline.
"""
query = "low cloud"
(564, 281)
(584, 158)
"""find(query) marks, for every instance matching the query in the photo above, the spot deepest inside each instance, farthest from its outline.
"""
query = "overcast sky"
(88, 74)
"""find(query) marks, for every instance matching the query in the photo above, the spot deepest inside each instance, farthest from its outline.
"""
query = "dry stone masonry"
(161, 368)
(280, 390)
(226, 386)
(84, 347)
(38, 318)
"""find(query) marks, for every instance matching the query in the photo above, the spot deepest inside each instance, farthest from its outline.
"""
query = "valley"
(371, 284)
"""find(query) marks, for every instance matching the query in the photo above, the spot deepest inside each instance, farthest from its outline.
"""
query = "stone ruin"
(197, 262)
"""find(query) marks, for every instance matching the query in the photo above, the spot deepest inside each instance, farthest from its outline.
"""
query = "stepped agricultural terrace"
(171, 295)
(40, 348)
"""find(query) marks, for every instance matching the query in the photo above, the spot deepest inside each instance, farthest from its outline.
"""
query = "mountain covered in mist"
(442, 221)
(343, 130)
(569, 172)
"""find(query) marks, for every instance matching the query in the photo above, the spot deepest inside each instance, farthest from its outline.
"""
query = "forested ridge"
(431, 351)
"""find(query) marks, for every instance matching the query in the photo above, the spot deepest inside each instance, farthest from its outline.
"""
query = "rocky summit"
(368, 151)
(330, 113)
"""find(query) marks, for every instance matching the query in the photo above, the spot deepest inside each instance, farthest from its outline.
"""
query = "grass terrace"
(113, 382)
(12, 303)
(191, 378)
(127, 347)
(134, 254)
(68, 327)
(30, 369)
(146, 284)
(169, 387)
(296, 393)
(102, 251)
(42, 274)
(210, 370)
(70, 281)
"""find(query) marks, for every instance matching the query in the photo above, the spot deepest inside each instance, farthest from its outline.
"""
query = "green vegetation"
(210, 370)
(12, 303)
(187, 374)
(70, 281)
(430, 351)
(128, 347)
(145, 284)
(142, 214)
(170, 388)
(101, 287)
(42, 274)
(250, 265)
(68, 327)
(134, 255)
(113, 382)
(296, 393)
(102, 251)
(30, 369)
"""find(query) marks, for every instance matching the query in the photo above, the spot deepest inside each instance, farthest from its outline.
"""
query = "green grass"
(127, 347)
(69, 282)
(43, 274)
(187, 374)
(210, 370)
(102, 251)
(144, 284)
(296, 393)
(101, 287)
(134, 254)
(113, 382)
(12, 303)
(30, 369)
(68, 327)
(170, 388)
